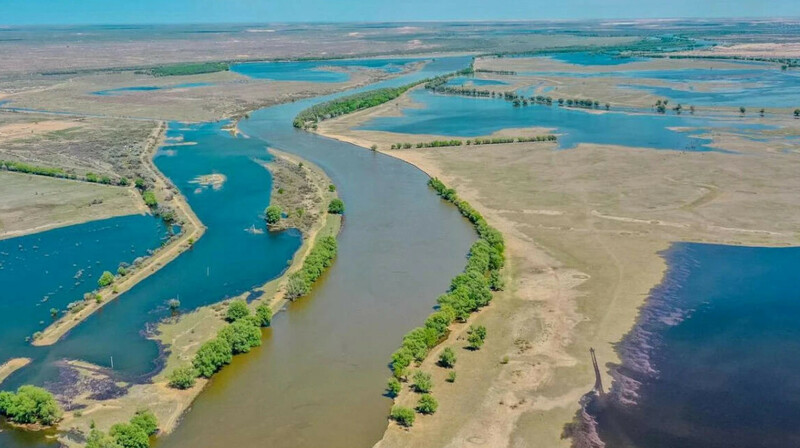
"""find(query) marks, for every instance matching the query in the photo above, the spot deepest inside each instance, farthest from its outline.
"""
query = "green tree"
(331, 188)
(393, 387)
(422, 382)
(477, 336)
(129, 435)
(447, 358)
(30, 404)
(242, 335)
(146, 420)
(149, 198)
(182, 377)
(106, 279)
(99, 439)
(427, 404)
(273, 214)
(212, 356)
(403, 416)
(451, 377)
(264, 315)
(296, 287)
(237, 309)
(336, 206)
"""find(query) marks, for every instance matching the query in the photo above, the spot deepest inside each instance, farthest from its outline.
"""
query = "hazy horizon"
(152, 12)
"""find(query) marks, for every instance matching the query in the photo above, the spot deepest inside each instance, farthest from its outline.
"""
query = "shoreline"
(11, 366)
(192, 230)
(182, 336)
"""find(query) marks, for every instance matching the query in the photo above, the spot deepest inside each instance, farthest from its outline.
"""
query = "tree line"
(476, 141)
(60, 173)
(514, 98)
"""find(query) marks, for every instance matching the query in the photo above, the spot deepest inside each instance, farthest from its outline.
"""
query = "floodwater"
(123, 90)
(318, 70)
(714, 360)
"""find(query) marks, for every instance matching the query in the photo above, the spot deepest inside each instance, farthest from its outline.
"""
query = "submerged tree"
(273, 214)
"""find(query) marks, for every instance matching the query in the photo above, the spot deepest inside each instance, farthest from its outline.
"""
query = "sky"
(19, 12)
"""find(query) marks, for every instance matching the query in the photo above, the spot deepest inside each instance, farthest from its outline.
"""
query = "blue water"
(721, 336)
(122, 90)
(465, 116)
(314, 71)
(593, 58)
(462, 80)
(51, 269)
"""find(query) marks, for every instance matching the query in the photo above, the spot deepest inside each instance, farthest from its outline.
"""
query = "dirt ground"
(584, 229)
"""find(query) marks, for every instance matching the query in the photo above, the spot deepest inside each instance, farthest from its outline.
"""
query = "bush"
(264, 315)
(30, 404)
(319, 259)
(451, 377)
(237, 309)
(99, 439)
(477, 335)
(106, 279)
(336, 206)
(149, 198)
(212, 356)
(427, 404)
(273, 214)
(297, 286)
(242, 335)
(447, 358)
(393, 387)
(422, 382)
(403, 416)
(128, 435)
(146, 420)
(182, 377)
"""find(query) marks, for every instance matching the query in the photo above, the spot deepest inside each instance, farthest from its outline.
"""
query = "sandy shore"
(193, 229)
(11, 366)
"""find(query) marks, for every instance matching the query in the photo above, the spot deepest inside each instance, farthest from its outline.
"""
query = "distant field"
(32, 203)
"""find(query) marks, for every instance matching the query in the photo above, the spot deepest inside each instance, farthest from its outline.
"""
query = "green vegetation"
(447, 358)
(237, 309)
(128, 435)
(336, 206)
(273, 214)
(469, 291)
(451, 377)
(309, 118)
(393, 387)
(427, 404)
(99, 439)
(32, 169)
(319, 259)
(241, 335)
(189, 68)
(106, 279)
(212, 356)
(182, 377)
(30, 405)
(134, 434)
(422, 382)
(146, 421)
(403, 416)
(477, 336)
(264, 315)
(331, 188)
(149, 198)
(475, 142)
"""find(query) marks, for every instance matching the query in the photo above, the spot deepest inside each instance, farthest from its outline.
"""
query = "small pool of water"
(123, 90)
(465, 80)
(579, 58)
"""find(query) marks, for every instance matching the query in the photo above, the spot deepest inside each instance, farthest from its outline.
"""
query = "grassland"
(36, 203)
(584, 229)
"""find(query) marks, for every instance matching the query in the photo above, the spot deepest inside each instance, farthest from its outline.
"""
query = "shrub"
(106, 279)
(296, 287)
(422, 382)
(182, 377)
(331, 188)
(451, 377)
(237, 309)
(99, 439)
(273, 214)
(149, 198)
(336, 206)
(264, 315)
(212, 356)
(242, 335)
(30, 404)
(447, 358)
(477, 335)
(393, 387)
(146, 420)
(427, 404)
(128, 435)
(403, 416)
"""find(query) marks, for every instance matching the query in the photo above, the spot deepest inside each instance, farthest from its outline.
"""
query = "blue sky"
(205, 11)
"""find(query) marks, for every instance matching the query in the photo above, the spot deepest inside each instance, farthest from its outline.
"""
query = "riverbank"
(183, 335)
(583, 229)
(191, 230)
(11, 366)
